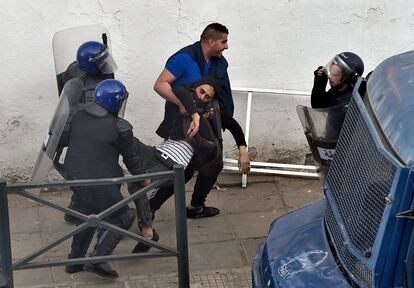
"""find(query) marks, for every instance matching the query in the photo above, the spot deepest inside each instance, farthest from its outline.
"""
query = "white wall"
(273, 44)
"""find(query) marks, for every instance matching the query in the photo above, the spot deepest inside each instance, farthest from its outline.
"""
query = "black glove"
(315, 72)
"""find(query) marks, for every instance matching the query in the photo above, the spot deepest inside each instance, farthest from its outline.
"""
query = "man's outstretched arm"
(236, 131)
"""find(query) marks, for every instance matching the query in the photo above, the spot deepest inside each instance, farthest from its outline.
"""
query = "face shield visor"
(121, 112)
(337, 70)
(106, 63)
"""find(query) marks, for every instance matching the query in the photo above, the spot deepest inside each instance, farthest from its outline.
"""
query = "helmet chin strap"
(342, 86)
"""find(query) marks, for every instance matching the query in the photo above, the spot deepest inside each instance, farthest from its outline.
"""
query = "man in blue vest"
(188, 65)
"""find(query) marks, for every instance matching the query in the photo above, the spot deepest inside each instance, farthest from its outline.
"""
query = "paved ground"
(221, 248)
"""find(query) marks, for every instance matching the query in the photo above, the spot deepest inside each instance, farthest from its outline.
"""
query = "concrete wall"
(273, 44)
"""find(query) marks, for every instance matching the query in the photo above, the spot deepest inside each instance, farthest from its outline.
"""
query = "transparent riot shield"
(50, 150)
(65, 46)
(322, 127)
(66, 43)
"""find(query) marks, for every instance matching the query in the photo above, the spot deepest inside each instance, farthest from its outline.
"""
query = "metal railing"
(308, 171)
(181, 252)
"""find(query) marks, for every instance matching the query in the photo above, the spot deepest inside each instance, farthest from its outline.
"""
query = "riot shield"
(322, 127)
(50, 152)
(66, 43)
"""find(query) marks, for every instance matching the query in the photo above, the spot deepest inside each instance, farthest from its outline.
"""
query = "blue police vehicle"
(361, 234)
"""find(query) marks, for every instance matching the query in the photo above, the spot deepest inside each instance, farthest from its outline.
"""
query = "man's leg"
(81, 240)
(145, 213)
(80, 245)
(164, 193)
(202, 187)
(104, 197)
(144, 217)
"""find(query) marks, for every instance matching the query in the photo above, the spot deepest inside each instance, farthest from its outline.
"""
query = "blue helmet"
(110, 94)
(94, 58)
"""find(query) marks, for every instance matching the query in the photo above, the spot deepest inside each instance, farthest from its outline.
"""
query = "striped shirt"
(178, 150)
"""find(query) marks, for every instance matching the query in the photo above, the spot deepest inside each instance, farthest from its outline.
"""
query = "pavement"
(221, 248)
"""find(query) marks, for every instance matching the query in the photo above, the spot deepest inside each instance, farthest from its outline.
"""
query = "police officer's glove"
(320, 78)
(318, 72)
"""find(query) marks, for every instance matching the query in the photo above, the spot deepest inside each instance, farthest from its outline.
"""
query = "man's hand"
(244, 161)
(183, 111)
(209, 114)
(146, 182)
(319, 72)
(194, 125)
(148, 232)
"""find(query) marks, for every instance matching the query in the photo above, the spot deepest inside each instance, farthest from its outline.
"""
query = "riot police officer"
(329, 107)
(93, 64)
(97, 138)
(342, 72)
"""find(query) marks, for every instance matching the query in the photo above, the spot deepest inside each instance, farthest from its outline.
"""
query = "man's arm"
(163, 87)
(233, 126)
(128, 147)
(319, 97)
(184, 96)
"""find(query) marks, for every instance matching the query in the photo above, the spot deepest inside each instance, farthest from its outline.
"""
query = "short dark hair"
(213, 31)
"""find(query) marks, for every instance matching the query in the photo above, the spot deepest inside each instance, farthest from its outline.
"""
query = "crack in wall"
(182, 19)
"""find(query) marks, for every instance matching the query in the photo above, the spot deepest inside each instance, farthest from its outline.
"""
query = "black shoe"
(202, 212)
(142, 247)
(102, 269)
(70, 219)
(74, 268)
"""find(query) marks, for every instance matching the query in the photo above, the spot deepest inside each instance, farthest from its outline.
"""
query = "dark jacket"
(172, 125)
(218, 70)
(92, 150)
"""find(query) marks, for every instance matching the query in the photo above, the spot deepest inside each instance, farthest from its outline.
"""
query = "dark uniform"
(96, 140)
(89, 81)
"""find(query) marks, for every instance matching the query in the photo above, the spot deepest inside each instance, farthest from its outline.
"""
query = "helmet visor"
(337, 69)
(121, 112)
(106, 63)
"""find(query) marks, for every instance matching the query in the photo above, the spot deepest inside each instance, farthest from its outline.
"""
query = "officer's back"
(92, 150)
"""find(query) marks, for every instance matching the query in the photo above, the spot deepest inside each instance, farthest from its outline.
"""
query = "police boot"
(107, 242)
(73, 268)
(103, 269)
(79, 248)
